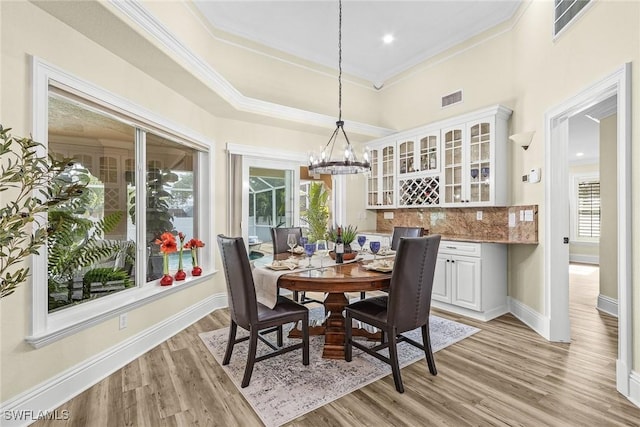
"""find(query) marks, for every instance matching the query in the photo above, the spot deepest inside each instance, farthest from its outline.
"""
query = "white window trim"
(573, 208)
(49, 327)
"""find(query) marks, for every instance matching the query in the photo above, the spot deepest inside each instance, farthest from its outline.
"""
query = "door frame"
(556, 140)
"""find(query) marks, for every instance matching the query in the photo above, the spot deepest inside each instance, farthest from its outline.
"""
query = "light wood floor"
(506, 375)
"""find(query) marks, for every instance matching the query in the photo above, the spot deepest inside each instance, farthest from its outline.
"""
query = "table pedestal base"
(333, 328)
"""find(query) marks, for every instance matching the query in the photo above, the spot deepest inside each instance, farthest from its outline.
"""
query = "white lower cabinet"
(471, 279)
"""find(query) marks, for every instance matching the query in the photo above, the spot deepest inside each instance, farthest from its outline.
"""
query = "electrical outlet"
(479, 215)
(388, 215)
(123, 320)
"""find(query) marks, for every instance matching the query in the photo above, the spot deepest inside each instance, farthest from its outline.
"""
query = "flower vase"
(166, 279)
(180, 274)
(197, 271)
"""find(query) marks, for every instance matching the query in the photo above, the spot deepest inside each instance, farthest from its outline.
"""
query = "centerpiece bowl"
(347, 256)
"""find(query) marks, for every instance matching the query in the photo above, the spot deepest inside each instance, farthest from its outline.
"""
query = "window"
(589, 209)
(144, 176)
(565, 11)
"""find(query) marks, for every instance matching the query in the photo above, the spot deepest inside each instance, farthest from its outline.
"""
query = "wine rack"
(423, 191)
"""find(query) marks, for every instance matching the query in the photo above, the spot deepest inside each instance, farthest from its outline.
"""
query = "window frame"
(574, 206)
(49, 327)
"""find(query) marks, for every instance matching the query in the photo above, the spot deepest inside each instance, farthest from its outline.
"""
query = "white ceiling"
(309, 29)
(584, 132)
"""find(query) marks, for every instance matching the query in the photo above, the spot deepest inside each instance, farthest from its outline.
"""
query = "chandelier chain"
(340, 61)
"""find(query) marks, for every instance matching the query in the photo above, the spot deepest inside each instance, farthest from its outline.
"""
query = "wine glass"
(309, 249)
(375, 247)
(322, 249)
(291, 242)
(303, 241)
(361, 241)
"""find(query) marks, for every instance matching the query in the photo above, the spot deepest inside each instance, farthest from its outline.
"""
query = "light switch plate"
(479, 215)
(528, 215)
(512, 219)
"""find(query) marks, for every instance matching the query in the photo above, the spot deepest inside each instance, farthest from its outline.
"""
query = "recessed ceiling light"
(388, 38)
(579, 154)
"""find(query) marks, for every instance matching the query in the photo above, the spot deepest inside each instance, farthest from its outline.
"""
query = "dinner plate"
(281, 267)
(387, 252)
(297, 250)
(383, 268)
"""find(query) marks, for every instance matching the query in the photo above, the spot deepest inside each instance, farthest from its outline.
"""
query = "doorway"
(269, 199)
(556, 251)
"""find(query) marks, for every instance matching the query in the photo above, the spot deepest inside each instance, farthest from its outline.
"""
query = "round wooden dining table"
(335, 281)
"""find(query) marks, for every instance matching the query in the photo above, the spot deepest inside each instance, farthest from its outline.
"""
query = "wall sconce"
(522, 139)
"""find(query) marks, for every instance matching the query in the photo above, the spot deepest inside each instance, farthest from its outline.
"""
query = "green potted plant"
(317, 214)
(349, 234)
(23, 172)
(158, 217)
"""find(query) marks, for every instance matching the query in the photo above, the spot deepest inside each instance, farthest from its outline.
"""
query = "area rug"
(282, 388)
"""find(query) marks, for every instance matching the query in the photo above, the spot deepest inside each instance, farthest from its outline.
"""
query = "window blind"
(589, 209)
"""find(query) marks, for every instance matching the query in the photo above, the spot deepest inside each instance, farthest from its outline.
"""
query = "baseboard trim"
(476, 315)
(40, 401)
(530, 317)
(607, 305)
(584, 259)
(634, 388)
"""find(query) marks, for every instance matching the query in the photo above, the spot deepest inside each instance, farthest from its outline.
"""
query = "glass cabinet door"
(405, 157)
(453, 165)
(429, 153)
(388, 175)
(372, 180)
(480, 162)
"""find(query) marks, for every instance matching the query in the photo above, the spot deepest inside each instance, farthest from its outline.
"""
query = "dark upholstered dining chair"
(400, 232)
(279, 240)
(245, 311)
(405, 308)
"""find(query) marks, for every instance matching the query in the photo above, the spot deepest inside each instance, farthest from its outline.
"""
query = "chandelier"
(324, 162)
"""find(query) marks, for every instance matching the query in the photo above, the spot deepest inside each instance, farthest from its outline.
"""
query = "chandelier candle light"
(325, 163)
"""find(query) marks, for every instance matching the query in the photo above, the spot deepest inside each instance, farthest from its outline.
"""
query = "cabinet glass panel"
(429, 153)
(372, 195)
(479, 163)
(388, 176)
(405, 157)
(453, 165)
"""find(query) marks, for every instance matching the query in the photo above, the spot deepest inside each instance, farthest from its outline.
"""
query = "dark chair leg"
(251, 357)
(295, 296)
(426, 342)
(362, 295)
(232, 338)
(305, 339)
(383, 336)
(393, 359)
(347, 337)
(279, 338)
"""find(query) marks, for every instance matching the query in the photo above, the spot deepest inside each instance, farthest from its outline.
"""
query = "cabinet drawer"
(460, 248)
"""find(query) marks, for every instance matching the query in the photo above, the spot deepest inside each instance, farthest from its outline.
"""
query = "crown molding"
(179, 52)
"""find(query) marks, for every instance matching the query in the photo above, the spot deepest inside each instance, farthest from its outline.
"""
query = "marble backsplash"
(513, 224)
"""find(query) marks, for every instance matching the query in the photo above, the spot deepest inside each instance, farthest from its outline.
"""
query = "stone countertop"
(459, 238)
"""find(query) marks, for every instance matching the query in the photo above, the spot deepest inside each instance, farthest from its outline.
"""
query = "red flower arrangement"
(167, 242)
(194, 244)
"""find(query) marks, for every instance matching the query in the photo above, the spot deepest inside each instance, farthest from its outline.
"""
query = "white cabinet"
(471, 279)
(381, 183)
(419, 169)
(456, 162)
(474, 155)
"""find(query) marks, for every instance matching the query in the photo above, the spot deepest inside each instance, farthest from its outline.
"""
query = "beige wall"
(609, 210)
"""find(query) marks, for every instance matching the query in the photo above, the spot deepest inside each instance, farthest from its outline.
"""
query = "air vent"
(452, 98)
